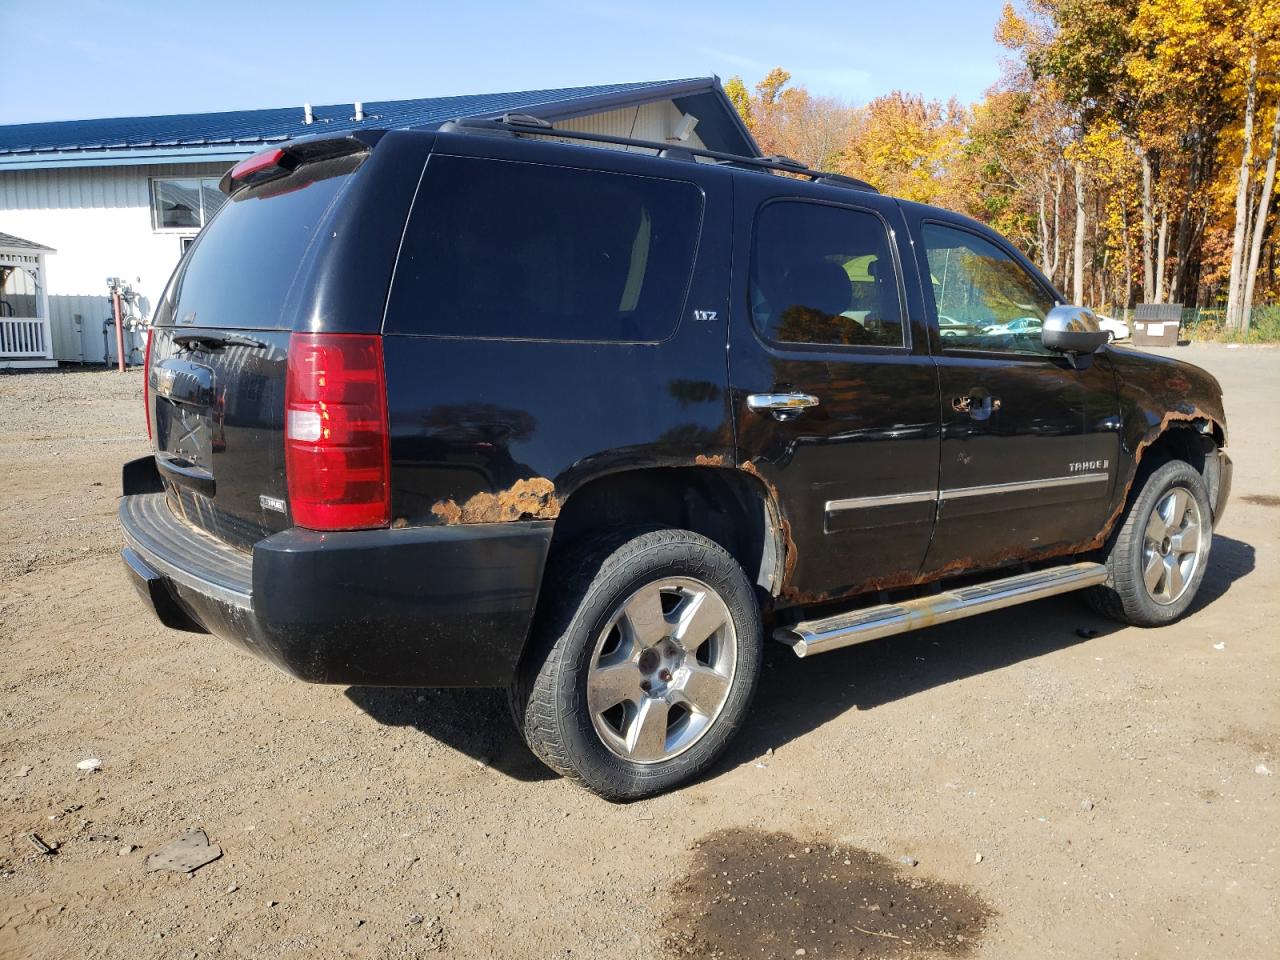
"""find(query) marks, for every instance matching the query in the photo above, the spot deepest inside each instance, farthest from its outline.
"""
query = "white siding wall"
(650, 121)
(99, 221)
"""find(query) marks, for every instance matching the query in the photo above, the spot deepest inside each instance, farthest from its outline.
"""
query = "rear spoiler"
(276, 162)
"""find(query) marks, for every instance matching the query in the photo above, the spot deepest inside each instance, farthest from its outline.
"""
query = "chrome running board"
(870, 623)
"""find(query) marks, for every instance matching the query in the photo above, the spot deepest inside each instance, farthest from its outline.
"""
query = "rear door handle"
(783, 406)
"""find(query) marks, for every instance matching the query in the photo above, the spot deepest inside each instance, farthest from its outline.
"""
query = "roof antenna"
(359, 112)
(307, 115)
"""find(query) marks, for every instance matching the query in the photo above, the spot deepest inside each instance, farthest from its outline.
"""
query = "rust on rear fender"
(531, 499)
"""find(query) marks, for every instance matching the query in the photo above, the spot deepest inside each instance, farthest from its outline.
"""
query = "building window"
(184, 204)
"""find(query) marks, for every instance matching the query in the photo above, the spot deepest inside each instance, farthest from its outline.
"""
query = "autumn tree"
(905, 145)
(1129, 145)
(1256, 40)
(789, 121)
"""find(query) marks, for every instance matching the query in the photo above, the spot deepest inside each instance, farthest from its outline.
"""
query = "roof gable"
(9, 242)
(208, 136)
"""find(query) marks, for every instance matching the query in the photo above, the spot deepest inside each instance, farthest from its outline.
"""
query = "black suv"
(504, 405)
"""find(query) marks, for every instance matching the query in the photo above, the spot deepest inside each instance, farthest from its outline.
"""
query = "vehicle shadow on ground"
(474, 722)
(796, 696)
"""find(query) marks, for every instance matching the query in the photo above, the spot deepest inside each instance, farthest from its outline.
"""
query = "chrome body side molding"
(1022, 485)
(888, 500)
(956, 493)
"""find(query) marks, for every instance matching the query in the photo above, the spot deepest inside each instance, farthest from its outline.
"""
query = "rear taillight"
(146, 381)
(336, 450)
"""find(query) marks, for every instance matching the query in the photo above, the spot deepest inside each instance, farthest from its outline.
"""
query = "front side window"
(184, 204)
(824, 275)
(501, 249)
(985, 299)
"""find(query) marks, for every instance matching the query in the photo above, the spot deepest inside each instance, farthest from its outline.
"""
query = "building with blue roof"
(123, 197)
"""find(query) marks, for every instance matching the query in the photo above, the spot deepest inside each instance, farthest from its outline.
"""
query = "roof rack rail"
(523, 124)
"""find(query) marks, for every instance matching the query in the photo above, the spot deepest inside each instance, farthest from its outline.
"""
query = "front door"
(835, 396)
(1029, 442)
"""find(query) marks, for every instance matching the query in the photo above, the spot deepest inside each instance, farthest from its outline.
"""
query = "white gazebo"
(25, 339)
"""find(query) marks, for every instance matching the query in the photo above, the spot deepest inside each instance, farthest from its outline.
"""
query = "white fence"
(23, 337)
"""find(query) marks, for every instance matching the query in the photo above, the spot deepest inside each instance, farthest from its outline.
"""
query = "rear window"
(244, 263)
(500, 249)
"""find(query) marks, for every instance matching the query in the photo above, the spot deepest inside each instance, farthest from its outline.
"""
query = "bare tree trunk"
(1057, 231)
(1148, 268)
(1101, 282)
(1203, 152)
(1044, 238)
(1099, 242)
(1127, 281)
(1235, 288)
(1260, 222)
(1077, 283)
(1162, 251)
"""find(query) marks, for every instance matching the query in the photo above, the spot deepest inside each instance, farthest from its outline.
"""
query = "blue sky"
(74, 59)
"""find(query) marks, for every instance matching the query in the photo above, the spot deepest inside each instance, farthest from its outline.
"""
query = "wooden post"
(115, 308)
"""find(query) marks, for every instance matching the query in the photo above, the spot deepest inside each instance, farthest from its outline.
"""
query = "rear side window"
(499, 249)
(824, 275)
(245, 261)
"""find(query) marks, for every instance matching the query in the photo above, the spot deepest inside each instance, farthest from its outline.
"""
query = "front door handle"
(783, 406)
(980, 407)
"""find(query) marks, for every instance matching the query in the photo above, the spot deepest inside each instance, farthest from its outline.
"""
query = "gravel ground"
(1000, 787)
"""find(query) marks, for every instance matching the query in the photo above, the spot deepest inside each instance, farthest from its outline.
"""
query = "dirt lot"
(1059, 796)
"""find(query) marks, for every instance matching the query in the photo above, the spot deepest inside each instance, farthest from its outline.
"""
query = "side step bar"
(871, 623)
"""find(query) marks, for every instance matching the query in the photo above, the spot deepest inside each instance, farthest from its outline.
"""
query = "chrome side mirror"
(1073, 331)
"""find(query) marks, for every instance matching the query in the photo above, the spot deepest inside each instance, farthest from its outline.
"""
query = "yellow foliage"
(905, 144)
(1146, 96)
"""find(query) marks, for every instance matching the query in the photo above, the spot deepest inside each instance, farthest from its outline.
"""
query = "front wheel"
(642, 664)
(1156, 560)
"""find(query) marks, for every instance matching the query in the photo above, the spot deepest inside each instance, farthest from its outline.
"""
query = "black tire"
(584, 592)
(1125, 595)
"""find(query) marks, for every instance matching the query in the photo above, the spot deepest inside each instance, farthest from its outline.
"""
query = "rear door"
(821, 317)
(1029, 443)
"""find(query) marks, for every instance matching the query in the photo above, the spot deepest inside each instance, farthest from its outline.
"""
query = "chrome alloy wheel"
(661, 670)
(1173, 546)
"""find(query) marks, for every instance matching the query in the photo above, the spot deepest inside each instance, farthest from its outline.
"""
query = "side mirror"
(1073, 331)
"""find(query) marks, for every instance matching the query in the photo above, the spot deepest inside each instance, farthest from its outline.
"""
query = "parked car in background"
(1117, 329)
(474, 407)
(1022, 325)
(951, 327)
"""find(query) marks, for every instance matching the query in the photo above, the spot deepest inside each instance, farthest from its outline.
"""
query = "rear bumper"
(427, 606)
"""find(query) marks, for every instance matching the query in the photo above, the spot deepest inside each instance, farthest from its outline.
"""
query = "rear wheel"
(642, 664)
(1156, 560)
